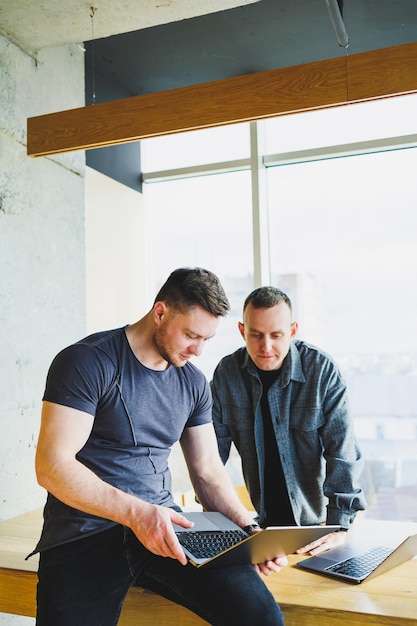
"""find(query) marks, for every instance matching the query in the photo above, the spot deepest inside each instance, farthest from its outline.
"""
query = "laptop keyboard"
(363, 564)
(205, 544)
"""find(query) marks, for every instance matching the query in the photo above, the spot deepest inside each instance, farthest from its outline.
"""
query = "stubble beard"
(164, 350)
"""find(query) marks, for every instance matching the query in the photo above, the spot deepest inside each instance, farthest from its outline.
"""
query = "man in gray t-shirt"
(114, 405)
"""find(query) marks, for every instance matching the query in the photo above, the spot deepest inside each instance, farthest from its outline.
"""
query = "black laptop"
(215, 541)
(356, 562)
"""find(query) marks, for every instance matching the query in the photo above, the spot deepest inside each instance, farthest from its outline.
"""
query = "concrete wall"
(71, 258)
(42, 275)
(42, 261)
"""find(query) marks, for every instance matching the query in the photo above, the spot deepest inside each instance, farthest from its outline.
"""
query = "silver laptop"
(355, 562)
(215, 541)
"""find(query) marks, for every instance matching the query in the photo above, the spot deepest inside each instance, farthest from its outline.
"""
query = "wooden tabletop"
(306, 598)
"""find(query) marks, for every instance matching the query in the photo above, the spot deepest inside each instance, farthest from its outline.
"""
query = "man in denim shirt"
(283, 403)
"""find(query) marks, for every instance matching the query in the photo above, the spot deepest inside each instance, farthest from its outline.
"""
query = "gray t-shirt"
(138, 415)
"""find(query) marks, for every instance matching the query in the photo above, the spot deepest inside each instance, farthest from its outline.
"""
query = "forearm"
(64, 432)
(77, 486)
(208, 475)
(344, 462)
(217, 493)
(342, 485)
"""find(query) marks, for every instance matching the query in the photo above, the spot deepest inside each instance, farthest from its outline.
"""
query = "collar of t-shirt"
(268, 377)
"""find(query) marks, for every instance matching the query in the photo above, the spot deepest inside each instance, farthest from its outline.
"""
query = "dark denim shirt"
(319, 454)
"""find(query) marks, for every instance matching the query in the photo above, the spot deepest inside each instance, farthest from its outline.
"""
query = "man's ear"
(294, 329)
(241, 328)
(159, 310)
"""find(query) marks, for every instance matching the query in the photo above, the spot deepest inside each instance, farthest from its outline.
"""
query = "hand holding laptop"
(154, 530)
(216, 541)
(273, 566)
(322, 544)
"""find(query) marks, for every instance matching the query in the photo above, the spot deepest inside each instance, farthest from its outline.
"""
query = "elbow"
(42, 472)
(41, 475)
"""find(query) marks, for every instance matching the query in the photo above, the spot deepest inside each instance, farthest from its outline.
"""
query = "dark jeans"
(84, 583)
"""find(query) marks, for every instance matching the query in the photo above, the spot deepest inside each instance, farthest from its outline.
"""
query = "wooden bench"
(305, 598)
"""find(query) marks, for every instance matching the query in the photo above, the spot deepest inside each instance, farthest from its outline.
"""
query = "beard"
(165, 349)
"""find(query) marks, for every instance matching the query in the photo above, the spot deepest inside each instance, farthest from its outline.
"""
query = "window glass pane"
(343, 245)
(204, 221)
(226, 143)
(390, 117)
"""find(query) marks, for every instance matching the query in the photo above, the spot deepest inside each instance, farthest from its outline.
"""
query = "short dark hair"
(187, 287)
(266, 297)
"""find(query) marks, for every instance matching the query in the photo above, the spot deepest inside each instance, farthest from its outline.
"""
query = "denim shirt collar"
(291, 368)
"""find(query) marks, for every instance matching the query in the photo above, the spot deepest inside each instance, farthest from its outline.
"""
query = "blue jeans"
(84, 583)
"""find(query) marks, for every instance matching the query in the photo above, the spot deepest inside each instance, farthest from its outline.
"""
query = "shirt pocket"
(237, 418)
(305, 426)
(307, 418)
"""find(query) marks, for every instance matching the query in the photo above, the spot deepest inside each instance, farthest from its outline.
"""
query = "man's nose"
(197, 347)
(266, 344)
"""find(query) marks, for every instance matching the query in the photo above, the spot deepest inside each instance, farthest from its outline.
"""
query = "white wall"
(42, 263)
(115, 253)
(72, 259)
(42, 281)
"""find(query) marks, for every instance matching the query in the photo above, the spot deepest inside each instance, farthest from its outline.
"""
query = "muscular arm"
(212, 483)
(63, 432)
(210, 479)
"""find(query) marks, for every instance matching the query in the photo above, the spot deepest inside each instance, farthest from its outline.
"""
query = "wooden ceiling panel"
(333, 82)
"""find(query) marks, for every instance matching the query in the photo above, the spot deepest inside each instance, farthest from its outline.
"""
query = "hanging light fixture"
(335, 8)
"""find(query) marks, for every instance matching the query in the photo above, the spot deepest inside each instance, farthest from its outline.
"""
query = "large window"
(343, 245)
(340, 226)
(204, 221)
